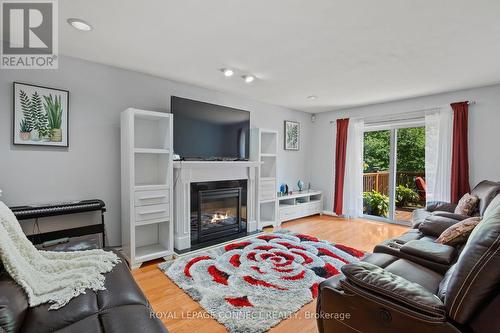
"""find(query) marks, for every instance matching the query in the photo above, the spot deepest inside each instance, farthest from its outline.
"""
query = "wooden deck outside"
(379, 181)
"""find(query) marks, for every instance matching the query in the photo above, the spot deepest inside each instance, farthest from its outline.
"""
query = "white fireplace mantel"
(187, 172)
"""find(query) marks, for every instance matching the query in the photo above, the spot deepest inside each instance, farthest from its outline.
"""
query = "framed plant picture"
(292, 135)
(41, 116)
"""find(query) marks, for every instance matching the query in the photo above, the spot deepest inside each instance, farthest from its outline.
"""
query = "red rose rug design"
(251, 285)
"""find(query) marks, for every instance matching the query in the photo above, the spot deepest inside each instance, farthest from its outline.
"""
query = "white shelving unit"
(300, 204)
(147, 191)
(264, 148)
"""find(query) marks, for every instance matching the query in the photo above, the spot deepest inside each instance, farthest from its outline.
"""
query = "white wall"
(484, 133)
(90, 167)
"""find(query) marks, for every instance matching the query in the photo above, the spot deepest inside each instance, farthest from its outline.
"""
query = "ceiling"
(347, 52)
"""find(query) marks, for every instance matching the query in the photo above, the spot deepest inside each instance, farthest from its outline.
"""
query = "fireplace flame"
(217, 217)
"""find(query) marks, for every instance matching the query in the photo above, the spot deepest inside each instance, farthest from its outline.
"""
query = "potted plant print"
(25, 130)
(34, 117)
(40, 116)
(54, 111)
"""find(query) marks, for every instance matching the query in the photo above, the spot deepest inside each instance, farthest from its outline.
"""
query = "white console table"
(300, 204)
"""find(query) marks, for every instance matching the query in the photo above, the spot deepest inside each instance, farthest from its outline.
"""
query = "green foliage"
(405, 195)
(26, 107)
(34, 116)
(375, 203)
(23, 126)
(40, 121)
(53, 108)
(376, 151)
(410, 150)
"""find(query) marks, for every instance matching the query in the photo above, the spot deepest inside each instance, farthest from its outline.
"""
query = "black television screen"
(209, 131)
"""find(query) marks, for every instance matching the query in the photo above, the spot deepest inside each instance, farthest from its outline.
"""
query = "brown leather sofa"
(420, 287)
(120, 308)
(443, 211)
(428, 224)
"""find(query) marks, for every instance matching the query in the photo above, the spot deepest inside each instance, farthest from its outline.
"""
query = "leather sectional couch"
(120, 308)
(444, 212)
(412, 284)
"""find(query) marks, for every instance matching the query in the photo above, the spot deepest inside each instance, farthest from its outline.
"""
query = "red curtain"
(460, 152)
(340, 154)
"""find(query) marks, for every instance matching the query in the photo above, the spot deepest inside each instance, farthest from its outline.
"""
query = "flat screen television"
(208, 131)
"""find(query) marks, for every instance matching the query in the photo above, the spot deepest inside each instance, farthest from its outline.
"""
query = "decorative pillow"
(467, 205)
(459, 232)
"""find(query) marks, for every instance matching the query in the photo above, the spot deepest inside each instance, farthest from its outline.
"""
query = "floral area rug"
(252, 285)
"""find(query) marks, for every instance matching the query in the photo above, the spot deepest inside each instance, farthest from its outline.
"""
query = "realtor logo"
(29, 34)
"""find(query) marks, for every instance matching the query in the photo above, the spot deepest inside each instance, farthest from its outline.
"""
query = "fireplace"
(218, 211)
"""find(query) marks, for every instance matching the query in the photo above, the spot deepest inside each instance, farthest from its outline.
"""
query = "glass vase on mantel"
(300, 185)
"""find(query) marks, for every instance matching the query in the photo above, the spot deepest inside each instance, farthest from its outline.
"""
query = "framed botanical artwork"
(292, 135)
(41, 116)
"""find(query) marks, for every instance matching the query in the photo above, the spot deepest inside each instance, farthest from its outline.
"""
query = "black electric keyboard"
(62, 208)
(54, 209)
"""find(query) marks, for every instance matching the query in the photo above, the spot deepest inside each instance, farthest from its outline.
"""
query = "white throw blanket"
(47, 276)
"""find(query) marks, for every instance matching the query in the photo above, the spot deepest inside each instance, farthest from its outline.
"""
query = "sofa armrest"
(374, 280)
(441, 206)
(440, 253)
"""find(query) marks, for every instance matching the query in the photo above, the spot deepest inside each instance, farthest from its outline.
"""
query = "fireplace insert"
(218, 211)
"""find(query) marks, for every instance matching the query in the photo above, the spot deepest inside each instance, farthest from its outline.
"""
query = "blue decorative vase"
(283, 188)
(300, 185)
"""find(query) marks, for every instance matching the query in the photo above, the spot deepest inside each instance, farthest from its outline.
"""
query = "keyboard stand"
(36, 212)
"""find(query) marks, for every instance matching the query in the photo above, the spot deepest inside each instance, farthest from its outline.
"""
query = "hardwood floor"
(181, 314)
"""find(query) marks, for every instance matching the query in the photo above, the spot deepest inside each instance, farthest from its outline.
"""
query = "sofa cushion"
(41, 319)
(393, 286)
(458, 233)
(476, 275)
(435, 225)
(467, 205)
(418, 216)
(91, 324)
(413, 272)
(132, 318)
(486, 192)
(458, 217)
(440, 206)
(442, 254)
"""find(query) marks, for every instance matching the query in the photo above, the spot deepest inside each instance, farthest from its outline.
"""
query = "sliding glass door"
(394, 170)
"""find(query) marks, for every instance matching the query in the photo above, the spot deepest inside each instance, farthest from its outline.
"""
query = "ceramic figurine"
(300, 185)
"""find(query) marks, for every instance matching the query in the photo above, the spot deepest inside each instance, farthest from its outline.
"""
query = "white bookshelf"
(147, 191)
(264, 148)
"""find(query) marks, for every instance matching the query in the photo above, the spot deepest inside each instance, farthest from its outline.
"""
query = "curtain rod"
(406, 113)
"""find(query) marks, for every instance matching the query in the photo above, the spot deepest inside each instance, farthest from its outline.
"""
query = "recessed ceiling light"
(228, 72)
(79, 24)
(311, 97)
(248, 78)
